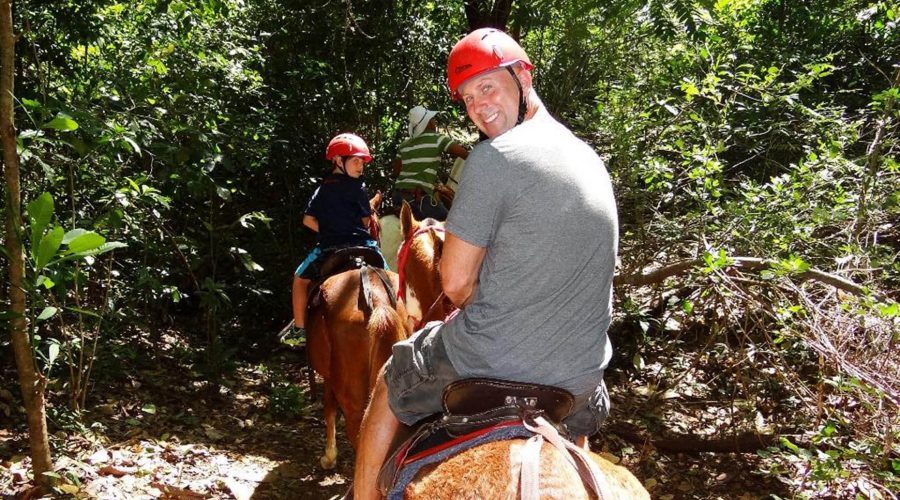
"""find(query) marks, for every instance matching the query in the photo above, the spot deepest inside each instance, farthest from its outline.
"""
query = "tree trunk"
(874, 154)
(486, 14)
(32, 383)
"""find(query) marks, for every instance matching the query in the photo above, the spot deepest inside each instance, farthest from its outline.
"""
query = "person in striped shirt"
(416, 168)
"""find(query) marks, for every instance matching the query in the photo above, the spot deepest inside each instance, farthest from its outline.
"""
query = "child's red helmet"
(480, 51)
(348, 145)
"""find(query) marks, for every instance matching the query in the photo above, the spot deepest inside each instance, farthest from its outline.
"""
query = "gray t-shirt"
(541, 202)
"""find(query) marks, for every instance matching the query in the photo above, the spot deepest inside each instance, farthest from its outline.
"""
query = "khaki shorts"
(419, 370)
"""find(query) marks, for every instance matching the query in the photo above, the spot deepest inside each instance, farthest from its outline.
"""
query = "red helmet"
(348, 145)
(480, 51)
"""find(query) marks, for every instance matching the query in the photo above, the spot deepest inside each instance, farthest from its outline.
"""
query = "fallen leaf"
(609, 456)
(109, 470)
(171, 492)
(212, 433)
(99, 457)
(71, 489)
(240, 490)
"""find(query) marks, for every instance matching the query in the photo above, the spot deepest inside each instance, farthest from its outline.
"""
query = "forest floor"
(156, 429)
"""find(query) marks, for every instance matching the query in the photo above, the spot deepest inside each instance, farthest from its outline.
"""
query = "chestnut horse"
(350, 331)
(490, 470)
(417, 264)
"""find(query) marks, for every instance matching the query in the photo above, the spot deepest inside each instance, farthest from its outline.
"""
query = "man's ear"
(524, 78)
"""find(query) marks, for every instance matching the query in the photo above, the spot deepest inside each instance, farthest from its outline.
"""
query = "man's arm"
(311, 222)
(457, 151)
(398, 166)
(460, 264)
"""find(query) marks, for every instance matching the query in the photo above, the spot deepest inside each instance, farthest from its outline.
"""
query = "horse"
(350, 330)
(417, 264)
(391, 238)
(490, 470)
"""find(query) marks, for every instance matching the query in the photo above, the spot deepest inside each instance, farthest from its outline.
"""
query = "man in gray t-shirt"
(529, 257)
(539, 202)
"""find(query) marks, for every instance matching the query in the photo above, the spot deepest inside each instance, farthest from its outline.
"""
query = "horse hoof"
(327, 463)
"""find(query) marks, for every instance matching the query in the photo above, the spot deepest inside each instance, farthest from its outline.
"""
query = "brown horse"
(347, 343)
(489, 470)
(417, 263)
(350, 333)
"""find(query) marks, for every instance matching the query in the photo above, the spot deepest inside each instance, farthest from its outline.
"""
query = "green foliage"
(59, 263)
(192, 131)
(831, 459)
(287, 400)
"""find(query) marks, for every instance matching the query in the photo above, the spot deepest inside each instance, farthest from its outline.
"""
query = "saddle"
(347, 259)
(472, 410)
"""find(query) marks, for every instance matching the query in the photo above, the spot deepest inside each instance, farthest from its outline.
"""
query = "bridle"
(401, 265)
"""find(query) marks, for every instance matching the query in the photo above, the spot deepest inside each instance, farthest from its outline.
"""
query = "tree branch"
(744, 442)
(750, 263)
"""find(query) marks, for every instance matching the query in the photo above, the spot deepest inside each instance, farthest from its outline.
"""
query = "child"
(417, 165)
(339, 212)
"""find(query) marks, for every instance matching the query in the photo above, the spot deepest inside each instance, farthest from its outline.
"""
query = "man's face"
(492, 101)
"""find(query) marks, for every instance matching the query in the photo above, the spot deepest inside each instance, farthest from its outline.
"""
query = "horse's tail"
(386, 328)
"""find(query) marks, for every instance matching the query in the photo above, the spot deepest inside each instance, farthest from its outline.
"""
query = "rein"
(375, 228)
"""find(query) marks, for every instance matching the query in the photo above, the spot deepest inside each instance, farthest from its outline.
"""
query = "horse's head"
(419, 266)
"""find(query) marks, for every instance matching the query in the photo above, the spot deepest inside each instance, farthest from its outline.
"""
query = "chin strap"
(523, 106)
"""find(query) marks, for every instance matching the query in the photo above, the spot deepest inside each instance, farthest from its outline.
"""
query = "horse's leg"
(329, 459)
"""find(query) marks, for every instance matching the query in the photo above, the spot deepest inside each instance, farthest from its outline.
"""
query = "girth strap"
(577, 457)
(367, 288)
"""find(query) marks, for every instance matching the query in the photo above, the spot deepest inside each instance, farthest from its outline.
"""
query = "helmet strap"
(340, 164)
(523, 106)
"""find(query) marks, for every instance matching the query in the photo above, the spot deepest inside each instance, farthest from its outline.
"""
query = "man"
(418, 164)
(529, 258)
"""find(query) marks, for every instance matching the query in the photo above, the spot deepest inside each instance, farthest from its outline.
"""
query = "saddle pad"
(416, 460)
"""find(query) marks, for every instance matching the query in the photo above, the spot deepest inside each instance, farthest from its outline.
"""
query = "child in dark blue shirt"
(339, 212)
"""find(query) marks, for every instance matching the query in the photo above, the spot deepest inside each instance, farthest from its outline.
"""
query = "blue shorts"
(419, 370)
(309, 268)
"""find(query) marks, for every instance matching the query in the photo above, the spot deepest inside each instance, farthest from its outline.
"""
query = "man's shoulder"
(542, 133)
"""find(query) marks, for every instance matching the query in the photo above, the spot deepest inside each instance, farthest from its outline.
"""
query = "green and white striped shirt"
(421, 157)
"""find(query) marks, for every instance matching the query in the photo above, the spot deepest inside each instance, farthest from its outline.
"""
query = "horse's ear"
(408, 223)
(375, 201)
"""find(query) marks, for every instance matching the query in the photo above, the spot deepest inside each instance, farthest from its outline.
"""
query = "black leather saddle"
(346, 259)
(471, 405)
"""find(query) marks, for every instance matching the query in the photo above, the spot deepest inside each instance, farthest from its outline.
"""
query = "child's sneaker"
(293, 335)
